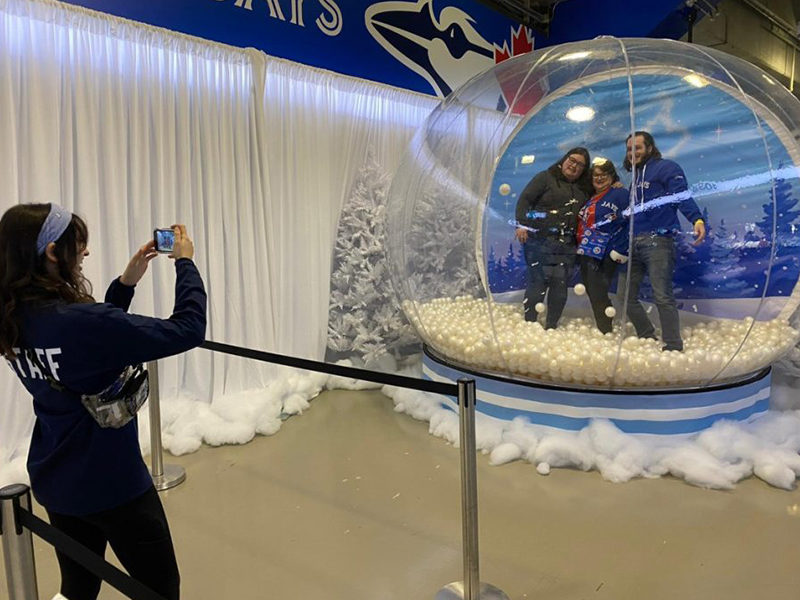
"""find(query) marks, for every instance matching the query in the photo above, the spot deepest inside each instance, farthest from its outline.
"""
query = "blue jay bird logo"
(445, 49)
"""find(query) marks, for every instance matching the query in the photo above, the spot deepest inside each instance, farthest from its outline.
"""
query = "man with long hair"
(659, 191)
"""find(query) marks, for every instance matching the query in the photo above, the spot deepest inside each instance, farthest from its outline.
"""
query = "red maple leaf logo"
(521, 43)
(519, 99)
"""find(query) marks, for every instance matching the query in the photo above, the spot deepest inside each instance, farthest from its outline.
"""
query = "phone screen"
(165, 240)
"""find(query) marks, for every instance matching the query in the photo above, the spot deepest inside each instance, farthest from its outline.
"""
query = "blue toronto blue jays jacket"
(76, 467)
(603, 214)
(661, 190)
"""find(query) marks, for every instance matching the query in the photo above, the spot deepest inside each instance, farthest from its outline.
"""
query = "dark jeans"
(596, 276)
(139, 535)
(549, 262)
(654, 255)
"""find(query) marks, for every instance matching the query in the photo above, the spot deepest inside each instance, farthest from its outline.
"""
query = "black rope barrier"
(423, 385)
(123, 582)
(136, 590)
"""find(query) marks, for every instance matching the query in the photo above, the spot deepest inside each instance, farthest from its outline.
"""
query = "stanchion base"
(455, 591)
(173, 475)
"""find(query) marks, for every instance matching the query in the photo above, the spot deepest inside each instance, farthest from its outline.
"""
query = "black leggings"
(139, 535)
(549, 264)
(596, 276)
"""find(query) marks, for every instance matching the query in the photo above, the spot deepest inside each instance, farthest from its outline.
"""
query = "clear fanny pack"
(117, 404)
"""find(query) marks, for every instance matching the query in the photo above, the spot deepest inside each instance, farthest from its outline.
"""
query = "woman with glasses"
(602, 239)
(547, 217)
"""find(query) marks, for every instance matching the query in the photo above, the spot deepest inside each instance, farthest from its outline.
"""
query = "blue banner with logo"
(431, 46)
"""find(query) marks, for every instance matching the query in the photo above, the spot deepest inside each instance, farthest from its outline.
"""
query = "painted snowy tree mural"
(786, 207)
(365, 322)
(786, 240)
(724, 272)
(507, 273)
(692, 262)
(493, 269)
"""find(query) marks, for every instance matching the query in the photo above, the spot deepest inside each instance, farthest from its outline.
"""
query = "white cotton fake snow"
(14, 470)
(186, 423)
(465, 330)
(716, 458)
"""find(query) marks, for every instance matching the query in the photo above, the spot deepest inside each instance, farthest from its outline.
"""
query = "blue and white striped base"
(656, 413)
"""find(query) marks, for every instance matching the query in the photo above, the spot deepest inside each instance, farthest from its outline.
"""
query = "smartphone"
(165, 240)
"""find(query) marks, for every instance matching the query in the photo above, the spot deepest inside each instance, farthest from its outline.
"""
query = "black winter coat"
(549, 206)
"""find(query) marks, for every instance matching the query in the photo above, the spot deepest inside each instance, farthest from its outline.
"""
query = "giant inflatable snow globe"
(690, 328)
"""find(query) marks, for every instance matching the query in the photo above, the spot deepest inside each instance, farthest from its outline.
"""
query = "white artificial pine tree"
(441, 244)
(365, 321)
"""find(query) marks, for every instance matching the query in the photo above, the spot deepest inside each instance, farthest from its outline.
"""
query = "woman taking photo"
(72, 354)
(602, 239)
(547, 215)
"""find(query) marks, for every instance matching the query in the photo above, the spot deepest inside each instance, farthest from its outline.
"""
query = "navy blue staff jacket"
(76, 467)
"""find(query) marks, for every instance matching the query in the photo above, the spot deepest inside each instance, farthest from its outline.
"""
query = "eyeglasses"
(601, 176)
(575, 163)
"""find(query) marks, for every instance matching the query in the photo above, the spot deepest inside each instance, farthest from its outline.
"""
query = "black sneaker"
(672, 348)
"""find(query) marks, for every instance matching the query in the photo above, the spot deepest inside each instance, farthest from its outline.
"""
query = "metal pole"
(471, 587)
(469, 488)
(164, 476)
(17, 543)
(691, 18)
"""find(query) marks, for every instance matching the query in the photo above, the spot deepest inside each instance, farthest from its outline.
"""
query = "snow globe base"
(637, 411)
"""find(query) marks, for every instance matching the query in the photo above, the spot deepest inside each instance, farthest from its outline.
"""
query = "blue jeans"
(654, 255)
(549, 262)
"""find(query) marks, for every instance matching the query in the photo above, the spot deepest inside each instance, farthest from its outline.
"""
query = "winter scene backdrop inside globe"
(722, 127)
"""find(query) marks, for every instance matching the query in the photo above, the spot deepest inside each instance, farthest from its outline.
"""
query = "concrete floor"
(353, 501)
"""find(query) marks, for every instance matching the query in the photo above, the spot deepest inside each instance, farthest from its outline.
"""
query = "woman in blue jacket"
(602, 239)
(91, 480)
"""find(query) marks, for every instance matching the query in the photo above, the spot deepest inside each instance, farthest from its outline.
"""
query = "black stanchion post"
(164, 476)
(17, 543)
(471, 588)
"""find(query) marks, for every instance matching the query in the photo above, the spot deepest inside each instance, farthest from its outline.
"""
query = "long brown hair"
(584, 180)
(24, 278)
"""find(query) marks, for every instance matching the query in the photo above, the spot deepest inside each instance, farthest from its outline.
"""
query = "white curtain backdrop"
(134, 127)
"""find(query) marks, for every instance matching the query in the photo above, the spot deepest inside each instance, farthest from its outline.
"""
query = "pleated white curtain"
(134, 127)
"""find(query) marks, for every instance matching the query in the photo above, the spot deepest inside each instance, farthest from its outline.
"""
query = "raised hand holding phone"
(183, 246)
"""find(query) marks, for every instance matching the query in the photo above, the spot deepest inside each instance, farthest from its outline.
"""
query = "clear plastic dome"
(731, 131)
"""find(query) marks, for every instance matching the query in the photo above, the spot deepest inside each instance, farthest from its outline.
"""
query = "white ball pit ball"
(540, 307)
(611, 312)
(580, 289)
